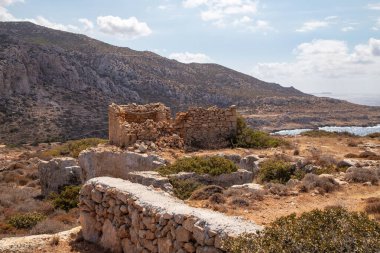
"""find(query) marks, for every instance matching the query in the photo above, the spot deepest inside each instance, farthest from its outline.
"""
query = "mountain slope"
(56, 85)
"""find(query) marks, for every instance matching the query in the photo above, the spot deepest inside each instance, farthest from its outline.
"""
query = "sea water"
(360, 131)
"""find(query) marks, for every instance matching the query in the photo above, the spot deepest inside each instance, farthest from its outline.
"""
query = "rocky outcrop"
(152, 178)
(57, 173)
(115, 162)
(125, 217)
(58, 84)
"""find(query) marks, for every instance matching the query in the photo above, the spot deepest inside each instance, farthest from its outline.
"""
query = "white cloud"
(322, 62)
(348, 29)
(262, 25)
(5, 15)
(223, 12)
(39, 20)
(312, 25)
(87, 24)
(187, 57)
(375, 6)
(331, 18)
(9, 2)
(376, 27)
(130, 28)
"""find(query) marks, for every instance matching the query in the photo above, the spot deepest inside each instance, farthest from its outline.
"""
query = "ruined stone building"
(198, 127)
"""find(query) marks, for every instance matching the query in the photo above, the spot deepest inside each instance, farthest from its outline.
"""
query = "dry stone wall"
(198, 127)
(128, 123)
(207, 128)
(125, 217)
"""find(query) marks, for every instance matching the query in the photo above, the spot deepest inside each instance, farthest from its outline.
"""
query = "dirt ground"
(271, 207)
(351, 197)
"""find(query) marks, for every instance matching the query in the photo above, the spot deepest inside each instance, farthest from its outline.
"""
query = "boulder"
(57, 173)
(249, 163)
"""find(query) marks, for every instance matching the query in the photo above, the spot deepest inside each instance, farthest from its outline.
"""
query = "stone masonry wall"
(207, 128)
(128, 123)
(114, 162)
(125, 217)
(198, 127)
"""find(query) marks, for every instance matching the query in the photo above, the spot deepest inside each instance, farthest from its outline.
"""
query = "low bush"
(72, 148)
(276, 171)
(362, 175)
(277, 189)
(217, 198)
(322, 184)
(206, 192)
(369, 155)
(214, 165)
(374, 135)
(183, 188)
(25, 221)
(323, 133)
(66, 199)
(250, 138)
(250, 194)
(239, 202)
(331, 230)
(373, 206)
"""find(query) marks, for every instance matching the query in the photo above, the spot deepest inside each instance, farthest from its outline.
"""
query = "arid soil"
(20, 190)
(20, 193)
(352, 197)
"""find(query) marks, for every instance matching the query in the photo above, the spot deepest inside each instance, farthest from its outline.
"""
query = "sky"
(314, 46)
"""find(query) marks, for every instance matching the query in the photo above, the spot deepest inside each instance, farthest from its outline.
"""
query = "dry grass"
(20, 194)
(49, 226)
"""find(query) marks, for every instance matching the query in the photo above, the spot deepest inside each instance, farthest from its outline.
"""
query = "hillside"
(56, 85)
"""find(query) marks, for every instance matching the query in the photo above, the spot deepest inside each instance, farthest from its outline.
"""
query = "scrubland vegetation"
(213, 165)
(72, 148)
(250, 138)
(330, 230)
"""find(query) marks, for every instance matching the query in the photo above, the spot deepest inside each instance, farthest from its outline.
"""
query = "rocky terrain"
(338, 181)
(56, 85)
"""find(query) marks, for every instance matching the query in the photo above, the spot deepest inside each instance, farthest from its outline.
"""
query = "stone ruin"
(57, 173)
(198, 127)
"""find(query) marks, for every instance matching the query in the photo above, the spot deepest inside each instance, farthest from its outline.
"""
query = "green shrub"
(25, 221)
(249, 138)
(183, 188)
(276, 171)
(72, 148)
(323, 133)
(331, 230)
(214, 165)
(66, 199)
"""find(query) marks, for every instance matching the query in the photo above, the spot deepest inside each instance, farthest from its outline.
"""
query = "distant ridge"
(56, 85)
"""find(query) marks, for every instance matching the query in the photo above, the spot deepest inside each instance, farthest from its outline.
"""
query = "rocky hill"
(56, 85)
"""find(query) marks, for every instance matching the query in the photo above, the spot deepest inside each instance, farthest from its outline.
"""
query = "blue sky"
(315, 46)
